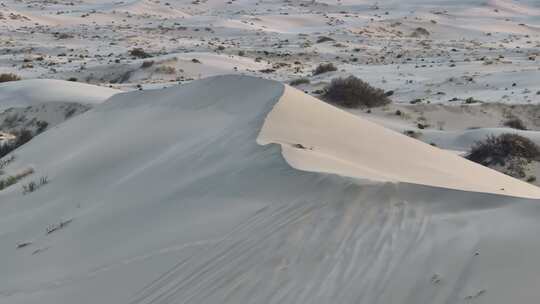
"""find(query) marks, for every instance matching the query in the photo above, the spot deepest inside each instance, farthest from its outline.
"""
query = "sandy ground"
(162, 216)
(150, 185)
(431, 50)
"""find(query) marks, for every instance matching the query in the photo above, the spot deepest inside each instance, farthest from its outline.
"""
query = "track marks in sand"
(297, 252)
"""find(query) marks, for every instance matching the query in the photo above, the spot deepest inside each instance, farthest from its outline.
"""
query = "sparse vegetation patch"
(13, 179)
(33, 185)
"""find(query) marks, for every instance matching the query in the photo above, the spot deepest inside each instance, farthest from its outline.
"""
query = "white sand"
(154, 214)
(39, 91)
(165, 196)
(338, 142)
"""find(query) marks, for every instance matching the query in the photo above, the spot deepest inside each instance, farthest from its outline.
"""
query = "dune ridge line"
(318, 137)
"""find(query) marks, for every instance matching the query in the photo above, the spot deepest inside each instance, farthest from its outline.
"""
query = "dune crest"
(318, 137)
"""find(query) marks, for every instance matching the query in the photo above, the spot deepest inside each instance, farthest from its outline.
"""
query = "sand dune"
(230, 221)
(334, 141)
(39, 91)
(150, 183)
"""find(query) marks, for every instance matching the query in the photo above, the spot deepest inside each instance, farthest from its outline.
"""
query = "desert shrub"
(147, 64)
(323, 39)
(515, 167)
(41, 126)
(324, 68)
(412, 133)
(420, 31)
(5, 77)
(5, 149)
(352, 92)
(64, 36)
(515, 123)
(69, 112)
(139, 53)
(498, 150)
(471, 100)
(299, 81)
(23, 136)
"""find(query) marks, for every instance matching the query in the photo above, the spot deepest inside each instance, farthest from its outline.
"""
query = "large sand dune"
(165, 196)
